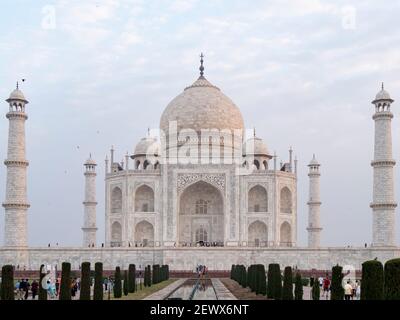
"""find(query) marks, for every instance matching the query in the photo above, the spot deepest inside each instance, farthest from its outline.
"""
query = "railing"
(201, 244)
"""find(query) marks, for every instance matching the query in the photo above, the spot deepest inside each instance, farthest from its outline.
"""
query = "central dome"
(202, 106)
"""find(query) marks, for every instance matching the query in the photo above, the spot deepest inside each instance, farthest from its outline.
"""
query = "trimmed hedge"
(126, 285)
(42, 291)
(274, 289)
(298, 287)
(392, 279)
(65, 287)
(372, 281)
(132, 278)
(85, 281)
(117, 283)
(287, 292)
(315, 291)
(7, 282)
(98, 293)
(337, 290)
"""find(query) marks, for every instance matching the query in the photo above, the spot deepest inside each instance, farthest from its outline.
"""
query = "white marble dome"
(147, 145)
(255, 146)
(202, 106)
(17, 95)
(383, 95)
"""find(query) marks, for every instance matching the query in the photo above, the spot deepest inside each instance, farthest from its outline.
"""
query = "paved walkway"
(221, 291)
(165, 292)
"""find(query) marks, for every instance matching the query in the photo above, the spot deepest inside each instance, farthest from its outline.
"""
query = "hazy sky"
(99, 73)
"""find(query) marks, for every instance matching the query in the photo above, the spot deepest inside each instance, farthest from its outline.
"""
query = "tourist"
(327, 284)
(348, 291)
(358, 290)
(34, 289)
(57, 286)
(26, 289)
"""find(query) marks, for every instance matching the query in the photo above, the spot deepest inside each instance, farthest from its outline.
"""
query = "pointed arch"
(144, 199)
(116, 234)
(257, 199)
(257, 234)
(285, 235)
(116, 200)
(286, 200)
(144, 234)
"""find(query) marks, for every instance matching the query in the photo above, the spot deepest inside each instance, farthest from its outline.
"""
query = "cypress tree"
(287, 292)
(65, 287)
(149, 276)
(392, 279)
(298, 287)
(42, 291)
(315, 291)
(132, 278)
(337, 290)
(262, 281)
(274, 290)
(117, 283)
(311, 281)
(85, 281)
(98, 281)
(232, 271)
(244, 277)
(372, 281)
(126, 286)
(7, 282)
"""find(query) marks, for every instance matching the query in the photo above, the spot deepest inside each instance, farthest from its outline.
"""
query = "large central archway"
(201, 215)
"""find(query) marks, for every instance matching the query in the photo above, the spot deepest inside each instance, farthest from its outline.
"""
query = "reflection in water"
(205, 291)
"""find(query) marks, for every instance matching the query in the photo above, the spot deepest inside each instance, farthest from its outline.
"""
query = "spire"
(201, 65)
(383, 88)
(254, 132)
(17, 85)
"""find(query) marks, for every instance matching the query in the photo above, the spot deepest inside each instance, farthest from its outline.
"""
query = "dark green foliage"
(156, 273)
(337, 290)
(117, 283)
(65, 287)
(287, 292)
(164, 270)
(85, 281)
(42, 291)
(311, 281)
(298, 287)
(305, 281)
(132, 278)
(7, 282)
(147, 276)
(232, 271)
(261, 280)
(274, 289)
(315, 291)
(98, 281)
(239, 274)
(392, 279)
(372, 283)
(126, 285)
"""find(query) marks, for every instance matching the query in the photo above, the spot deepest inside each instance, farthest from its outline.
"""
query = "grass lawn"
(140, 294)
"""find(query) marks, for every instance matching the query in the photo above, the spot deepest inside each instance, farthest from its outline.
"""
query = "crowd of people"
(352, 290)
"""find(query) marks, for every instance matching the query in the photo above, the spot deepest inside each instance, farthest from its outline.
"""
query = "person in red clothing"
(326, 285)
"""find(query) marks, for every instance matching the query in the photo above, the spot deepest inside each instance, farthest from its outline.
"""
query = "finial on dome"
(148, 131)
(383, 86)
(254, 132)
(201, 65)
(17, 85)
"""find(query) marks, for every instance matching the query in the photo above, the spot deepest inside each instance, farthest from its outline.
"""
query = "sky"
(99, 73)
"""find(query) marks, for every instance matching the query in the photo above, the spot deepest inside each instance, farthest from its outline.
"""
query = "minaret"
(89, 225)
(383, 204)
(314, 203)
(16, 204)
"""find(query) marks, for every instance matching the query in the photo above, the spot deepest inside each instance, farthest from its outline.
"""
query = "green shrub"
(98, 281)
(117, 283)
(372, 281)
(311, 282)
(65, 287)
(7, 282)
(42, 291)
(287, 292)
(392, 279)
(337, 290)
(85, 281)
(274, 290)
(244, 276)
(126, 285)
(315, 291)
(132, 278)
(298, 287)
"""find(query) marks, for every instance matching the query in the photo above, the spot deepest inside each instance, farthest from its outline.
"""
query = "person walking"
(348, 291)
(358, 290)
(34, 289)
(27, 286)
(327, 284)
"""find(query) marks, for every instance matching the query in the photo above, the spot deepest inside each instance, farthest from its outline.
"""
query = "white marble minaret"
(383, 204)
(16, 204)
(89, 224)
(314, 203)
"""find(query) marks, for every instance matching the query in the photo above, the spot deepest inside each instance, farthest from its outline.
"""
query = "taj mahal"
(200, 191)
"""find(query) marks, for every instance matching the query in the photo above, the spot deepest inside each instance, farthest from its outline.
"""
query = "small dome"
(255, 146)
(148, 145)
(382, 95)
(17, 95)
(90, 161)
(314, 161)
